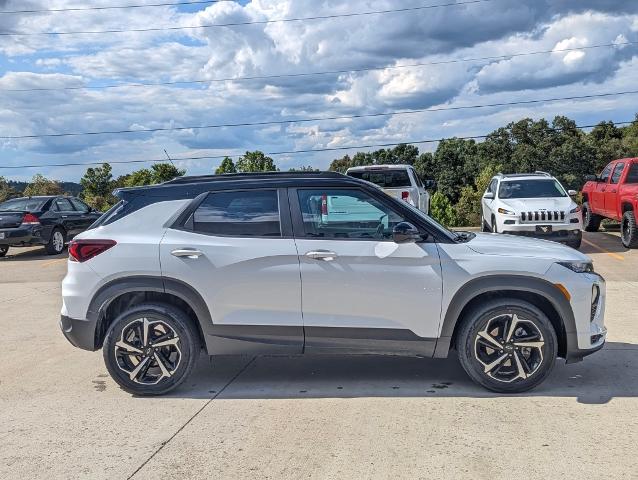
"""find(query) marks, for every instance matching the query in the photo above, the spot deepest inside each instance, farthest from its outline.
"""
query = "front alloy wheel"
(509, 348)
(507, 345)
(150, 349)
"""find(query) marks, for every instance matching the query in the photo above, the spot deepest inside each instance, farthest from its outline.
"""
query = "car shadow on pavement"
(23, 255)
(607, 374)
(602, 240)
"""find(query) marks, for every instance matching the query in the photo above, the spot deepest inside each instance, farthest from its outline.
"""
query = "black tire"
(3, 250)
(629, 230)
(484, 226)
(504, 378)
(493, 227)
(53, 246)
(576, 242)
(591, 221)
(165, 323)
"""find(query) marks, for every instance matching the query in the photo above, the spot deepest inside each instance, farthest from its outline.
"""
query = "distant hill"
(69, 187)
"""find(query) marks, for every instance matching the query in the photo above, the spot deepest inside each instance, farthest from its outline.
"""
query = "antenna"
(169, 157)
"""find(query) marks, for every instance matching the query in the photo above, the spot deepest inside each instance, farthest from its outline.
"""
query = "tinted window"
(632, 176)
(604, 176)
(63, 205)
(79, 206)
(333, 213)
(531, 189)
(384, 178)
(492, 186)
(22, 204)
(247, 213)
(617, 172)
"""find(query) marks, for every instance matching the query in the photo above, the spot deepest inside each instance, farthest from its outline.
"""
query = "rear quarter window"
(632, 175)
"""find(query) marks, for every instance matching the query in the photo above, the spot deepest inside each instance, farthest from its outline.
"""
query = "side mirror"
(429, 184)
(572, 193)
(591, 178)
(489, 195)
(405, 232)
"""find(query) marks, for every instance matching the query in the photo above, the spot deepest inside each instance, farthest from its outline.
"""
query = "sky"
(74, 70)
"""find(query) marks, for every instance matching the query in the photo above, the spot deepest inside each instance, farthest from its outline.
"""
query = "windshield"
(22, 205)
(384, 178)
(531, 189)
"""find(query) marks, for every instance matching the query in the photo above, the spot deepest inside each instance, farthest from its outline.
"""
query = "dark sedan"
(49, 221)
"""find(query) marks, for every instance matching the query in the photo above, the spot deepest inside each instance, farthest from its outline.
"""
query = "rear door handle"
(612, 191)
(187, 252)
(325, 255)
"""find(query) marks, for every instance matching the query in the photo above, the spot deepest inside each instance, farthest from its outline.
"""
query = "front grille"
(543, 216)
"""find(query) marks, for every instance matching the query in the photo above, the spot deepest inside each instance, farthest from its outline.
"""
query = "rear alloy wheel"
(3, 250)
(56, 242)
(629, 230)
(151, 349)
(507, 346)
(591, 221)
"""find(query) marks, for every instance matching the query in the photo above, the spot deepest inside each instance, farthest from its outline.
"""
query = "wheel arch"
(120, 294)
(539, 292)
(626, 206)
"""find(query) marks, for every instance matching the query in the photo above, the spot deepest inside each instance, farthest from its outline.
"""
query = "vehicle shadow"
(607, 374)
(23, 254)
(594, 242)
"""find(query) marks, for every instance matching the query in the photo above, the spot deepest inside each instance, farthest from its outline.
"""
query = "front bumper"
(80, 333)
(21, 236)
(558, 233)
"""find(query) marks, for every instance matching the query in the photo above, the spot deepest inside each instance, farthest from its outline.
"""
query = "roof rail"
(256, 175)
(540, 172)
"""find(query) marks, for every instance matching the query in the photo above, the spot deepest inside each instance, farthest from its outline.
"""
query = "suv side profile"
(534, 205)
(251, 264)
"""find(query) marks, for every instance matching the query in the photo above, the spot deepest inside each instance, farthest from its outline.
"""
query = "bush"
(442, 211)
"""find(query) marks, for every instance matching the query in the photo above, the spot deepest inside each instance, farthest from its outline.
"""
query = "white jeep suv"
(398, 181)
(534, 205)
(315, 263)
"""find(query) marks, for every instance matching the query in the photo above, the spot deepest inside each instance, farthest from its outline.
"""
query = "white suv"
(223, 262)
(534, 205)
(398, 181)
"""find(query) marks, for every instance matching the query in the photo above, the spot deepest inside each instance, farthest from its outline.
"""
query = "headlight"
(575, 210)
(578, 267)
(506, 212)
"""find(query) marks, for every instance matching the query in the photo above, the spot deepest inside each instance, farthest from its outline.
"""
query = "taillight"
(30, 219)
(83, 250)
(405, 196)
(324, 204)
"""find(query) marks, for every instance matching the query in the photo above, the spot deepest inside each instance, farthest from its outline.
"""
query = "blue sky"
(488, 28)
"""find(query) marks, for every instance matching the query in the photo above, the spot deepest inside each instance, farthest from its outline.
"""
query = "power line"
(318, 119)
(256, 22)
(283, 152)
(327, 72)
(112, 7)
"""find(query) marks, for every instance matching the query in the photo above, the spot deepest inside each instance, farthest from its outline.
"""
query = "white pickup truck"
(399, 181)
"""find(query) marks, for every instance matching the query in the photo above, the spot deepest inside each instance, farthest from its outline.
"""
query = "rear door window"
(252, 213)
(632, 175)
(386, 178)
(615, 177)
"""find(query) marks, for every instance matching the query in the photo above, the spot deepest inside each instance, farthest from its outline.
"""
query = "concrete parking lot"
(61, 416)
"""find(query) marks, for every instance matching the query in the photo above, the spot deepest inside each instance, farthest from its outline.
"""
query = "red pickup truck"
(613, 194)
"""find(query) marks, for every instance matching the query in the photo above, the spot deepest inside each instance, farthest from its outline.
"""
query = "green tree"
(163, 172)
(255, 162)
(304, 169)
(468, 208)
(442, 211)
(227, 166)
(455, 165)
(40, 185)
(6, 190)
(97, 187)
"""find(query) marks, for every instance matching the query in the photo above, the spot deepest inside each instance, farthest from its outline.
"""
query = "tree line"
(462, 168)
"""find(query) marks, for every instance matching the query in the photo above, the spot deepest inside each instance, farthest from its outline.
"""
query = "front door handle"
(325, 255)
(613, 191)
(187, 252)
